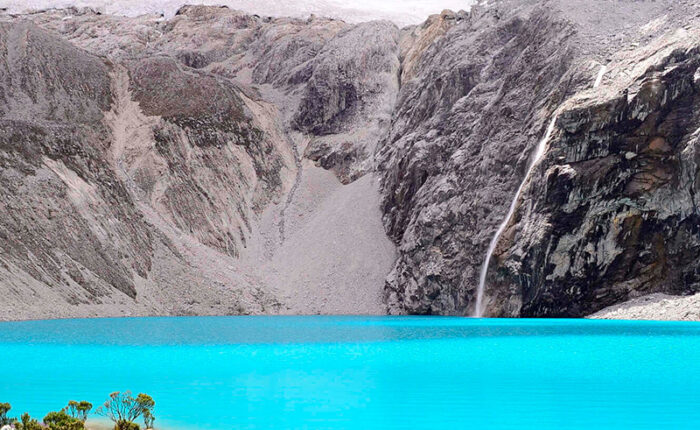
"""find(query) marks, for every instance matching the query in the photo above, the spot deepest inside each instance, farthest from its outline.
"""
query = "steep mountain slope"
(466, 124)
(175, 183)
(480, 97)
(75, 172)
(219, 162)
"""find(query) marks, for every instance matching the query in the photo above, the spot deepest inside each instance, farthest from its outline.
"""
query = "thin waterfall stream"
(539, 152)
(599, 78)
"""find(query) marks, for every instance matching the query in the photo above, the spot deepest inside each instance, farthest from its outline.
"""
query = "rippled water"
(364, 373)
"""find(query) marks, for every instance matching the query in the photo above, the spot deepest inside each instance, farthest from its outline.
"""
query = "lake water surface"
(363, 373)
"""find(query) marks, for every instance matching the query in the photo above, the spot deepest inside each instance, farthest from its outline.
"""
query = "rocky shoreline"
(654, 307)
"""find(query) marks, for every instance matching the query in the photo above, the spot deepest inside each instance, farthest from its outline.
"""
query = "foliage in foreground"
(79, 410)
(122, 408)
(62, 421)
(4, 409)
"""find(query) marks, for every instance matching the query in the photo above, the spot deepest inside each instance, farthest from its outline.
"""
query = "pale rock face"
(348, 99)
(143, 158)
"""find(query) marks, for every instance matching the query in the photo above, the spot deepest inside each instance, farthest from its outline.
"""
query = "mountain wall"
(217, 162)
(607, 215)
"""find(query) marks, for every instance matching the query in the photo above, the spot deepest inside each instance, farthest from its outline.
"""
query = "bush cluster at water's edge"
(122, 408)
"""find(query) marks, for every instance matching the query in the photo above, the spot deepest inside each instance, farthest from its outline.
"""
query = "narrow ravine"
(297, 180)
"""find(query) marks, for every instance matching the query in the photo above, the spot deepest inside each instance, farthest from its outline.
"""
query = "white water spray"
(599, 78)
(539, 152)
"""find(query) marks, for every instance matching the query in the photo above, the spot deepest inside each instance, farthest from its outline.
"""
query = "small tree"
(4, 409)
(124, 409)
(79, 410)
(72, 408)
(28, 423)
(62, 421)
(145, 402)
(84, 408)
(148, 418)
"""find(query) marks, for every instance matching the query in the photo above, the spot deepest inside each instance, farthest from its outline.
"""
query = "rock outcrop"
(447, 162)
(615, 214)
(348, 100)
(478, 91)
(218, 162)
(66, 219)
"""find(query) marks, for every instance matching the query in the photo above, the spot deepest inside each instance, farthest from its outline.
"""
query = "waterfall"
(599, 78)
(539, 152)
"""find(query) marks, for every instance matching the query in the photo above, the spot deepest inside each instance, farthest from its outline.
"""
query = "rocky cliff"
(615, 213)
(606, 215)
(221, 163)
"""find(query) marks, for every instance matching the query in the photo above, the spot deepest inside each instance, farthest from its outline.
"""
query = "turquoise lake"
(363, 373)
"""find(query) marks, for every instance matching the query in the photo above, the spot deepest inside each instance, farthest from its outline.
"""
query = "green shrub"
(126, 425)
(79, 410)
(148, 418)
(4, 419)
(123, 409)
(62, 421)
(28, 423)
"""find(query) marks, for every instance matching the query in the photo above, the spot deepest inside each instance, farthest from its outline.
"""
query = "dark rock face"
(609, 213)
(615, 214)
(469, 110)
